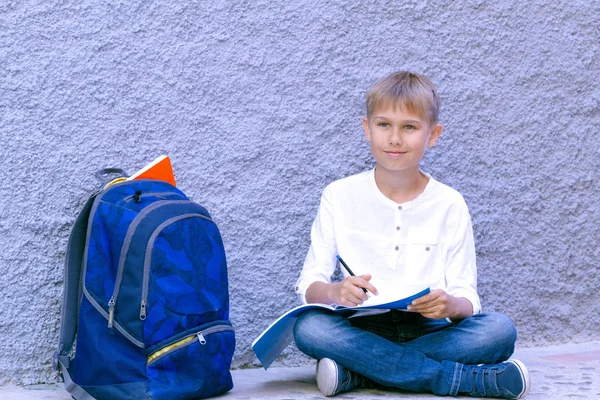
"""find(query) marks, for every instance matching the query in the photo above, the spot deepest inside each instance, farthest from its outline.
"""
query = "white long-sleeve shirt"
(426, 242)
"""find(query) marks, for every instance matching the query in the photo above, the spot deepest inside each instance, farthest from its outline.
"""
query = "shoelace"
(353, 380)
(349, 381)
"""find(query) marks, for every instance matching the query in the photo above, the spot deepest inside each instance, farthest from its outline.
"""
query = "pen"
(348, 269)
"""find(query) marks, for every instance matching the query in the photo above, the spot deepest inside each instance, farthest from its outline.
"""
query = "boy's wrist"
(462, 308)
(331, 292)
(321, 292)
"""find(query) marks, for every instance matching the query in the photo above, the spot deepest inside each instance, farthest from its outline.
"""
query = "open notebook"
(279, 334)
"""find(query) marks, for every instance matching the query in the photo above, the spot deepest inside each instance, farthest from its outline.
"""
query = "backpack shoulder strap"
(72, 273)
(72, 281)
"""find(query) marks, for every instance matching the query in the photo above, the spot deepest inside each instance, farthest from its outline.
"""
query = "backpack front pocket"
(195, 365)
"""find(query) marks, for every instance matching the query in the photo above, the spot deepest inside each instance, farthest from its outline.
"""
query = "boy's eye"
(409, 127)
(383, 124)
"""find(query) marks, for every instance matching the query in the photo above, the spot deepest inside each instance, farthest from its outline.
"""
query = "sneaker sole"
(524, 375)
(325, 369)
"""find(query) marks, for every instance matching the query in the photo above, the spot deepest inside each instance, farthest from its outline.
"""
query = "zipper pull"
(201, 338)
(143, 310)
(111, 314)
(137, 195)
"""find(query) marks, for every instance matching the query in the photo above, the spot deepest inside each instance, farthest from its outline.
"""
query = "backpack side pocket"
(193, 365)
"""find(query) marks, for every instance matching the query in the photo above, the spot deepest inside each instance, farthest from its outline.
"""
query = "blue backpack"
(145, 311)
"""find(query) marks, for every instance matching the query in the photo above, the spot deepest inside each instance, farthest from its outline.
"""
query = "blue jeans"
(406, 350)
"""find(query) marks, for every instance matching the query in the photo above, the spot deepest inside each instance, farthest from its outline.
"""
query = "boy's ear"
(436, 132)
(365, 125)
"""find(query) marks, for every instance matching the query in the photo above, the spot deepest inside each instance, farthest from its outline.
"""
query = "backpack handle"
(107, 175)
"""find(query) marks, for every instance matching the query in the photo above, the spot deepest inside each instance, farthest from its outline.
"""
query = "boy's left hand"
(438, 304)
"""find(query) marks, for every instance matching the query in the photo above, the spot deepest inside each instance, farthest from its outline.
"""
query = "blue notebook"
(269, 345)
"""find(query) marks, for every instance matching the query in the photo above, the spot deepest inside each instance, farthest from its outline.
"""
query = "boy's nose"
(395, 139)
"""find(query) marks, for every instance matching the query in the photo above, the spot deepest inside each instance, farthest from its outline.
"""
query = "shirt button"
(397, 228)
(396, 248)
(427, 248)
(400, 208)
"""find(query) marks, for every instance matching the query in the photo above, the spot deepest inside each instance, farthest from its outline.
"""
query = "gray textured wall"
(259, 106)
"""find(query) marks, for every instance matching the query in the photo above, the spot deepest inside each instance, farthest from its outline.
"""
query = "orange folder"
(160, 169)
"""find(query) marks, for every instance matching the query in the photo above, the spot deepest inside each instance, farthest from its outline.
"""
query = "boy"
(397, 224)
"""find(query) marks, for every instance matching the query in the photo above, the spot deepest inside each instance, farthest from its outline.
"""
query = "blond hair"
(405, 90)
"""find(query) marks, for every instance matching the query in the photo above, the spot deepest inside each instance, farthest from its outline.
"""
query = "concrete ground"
(568, 371)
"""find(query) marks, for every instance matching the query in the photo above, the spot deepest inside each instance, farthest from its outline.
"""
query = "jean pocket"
(193, 366)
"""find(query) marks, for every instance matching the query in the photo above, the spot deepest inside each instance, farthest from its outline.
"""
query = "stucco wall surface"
(259, 105)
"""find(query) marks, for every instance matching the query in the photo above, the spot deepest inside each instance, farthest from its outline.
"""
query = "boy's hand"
(349, 291)
(439, 304)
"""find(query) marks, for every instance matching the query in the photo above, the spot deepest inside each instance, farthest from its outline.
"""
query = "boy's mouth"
(395, 153)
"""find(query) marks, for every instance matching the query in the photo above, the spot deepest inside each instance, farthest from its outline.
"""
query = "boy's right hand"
(349, 291)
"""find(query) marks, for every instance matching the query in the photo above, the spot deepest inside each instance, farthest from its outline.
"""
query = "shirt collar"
(407, 205)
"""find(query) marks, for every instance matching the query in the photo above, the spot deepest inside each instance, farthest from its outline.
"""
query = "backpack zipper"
(148, 256)
(112, 303)
(199, 336)
(158, 195)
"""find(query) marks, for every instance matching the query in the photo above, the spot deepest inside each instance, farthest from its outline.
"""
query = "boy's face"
(399, 138)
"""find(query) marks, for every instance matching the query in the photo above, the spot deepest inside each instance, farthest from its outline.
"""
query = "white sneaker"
(332, 378)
